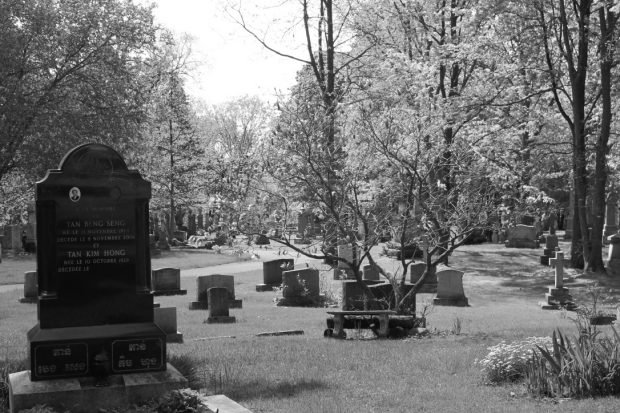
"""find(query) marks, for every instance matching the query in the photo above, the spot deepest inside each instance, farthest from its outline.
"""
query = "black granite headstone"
(95, 307)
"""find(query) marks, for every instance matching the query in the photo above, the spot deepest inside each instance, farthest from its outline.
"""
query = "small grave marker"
(272, 273)
(205, 282)
(167, 281)
(300, 287)
(31, 288)
(450, 289)
(558, 296)
(218, 306)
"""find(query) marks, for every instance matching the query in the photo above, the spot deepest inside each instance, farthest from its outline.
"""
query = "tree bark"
(607, 22)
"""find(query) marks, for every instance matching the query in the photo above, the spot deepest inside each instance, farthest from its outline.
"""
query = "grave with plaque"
(95, 308)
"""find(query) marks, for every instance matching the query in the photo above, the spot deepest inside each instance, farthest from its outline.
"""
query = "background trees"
(71, 72)
(419, 116)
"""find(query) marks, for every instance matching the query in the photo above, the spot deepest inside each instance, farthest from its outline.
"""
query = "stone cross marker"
(558, 264)
(95, 307)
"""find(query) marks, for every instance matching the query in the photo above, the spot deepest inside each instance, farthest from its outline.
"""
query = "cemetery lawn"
(310, 373)
(12, 268)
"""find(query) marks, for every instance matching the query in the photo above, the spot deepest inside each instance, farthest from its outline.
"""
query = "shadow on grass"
(502, 264)
(529, 285)
(268, 389)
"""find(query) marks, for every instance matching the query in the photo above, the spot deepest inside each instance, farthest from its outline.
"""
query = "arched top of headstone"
(93, 158)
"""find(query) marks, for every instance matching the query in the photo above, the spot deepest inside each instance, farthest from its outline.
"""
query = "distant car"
(200, 241)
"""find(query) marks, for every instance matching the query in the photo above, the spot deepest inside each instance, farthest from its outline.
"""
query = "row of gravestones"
(301, 286)
(167, 281)
(446, 284)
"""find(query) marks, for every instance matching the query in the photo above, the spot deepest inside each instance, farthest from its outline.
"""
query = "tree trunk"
(607, 21)
(172, 223)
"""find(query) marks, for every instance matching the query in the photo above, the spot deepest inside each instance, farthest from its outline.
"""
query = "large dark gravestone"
(95, 306)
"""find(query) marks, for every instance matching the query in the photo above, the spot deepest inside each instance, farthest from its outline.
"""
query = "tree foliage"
(72, 72)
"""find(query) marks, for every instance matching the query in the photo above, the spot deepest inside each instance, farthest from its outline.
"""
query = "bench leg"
(384, 323)
(339, 326)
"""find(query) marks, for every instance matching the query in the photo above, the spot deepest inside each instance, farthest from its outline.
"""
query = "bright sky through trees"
(234, 63)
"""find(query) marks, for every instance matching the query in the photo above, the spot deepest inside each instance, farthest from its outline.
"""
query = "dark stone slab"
(71, 351)
(453, 302)
(167, 281)
(95, 306)
(92, 232)
(273, 269)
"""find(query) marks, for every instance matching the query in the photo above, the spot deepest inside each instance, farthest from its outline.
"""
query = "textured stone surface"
(82, 396)
(522, 236)
(95, 307)
(167, 281)
(450, 289)
(206, 282)
(31, 288)
(273, 269)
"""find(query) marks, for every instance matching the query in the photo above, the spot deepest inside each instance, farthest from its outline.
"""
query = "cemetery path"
(255, 263)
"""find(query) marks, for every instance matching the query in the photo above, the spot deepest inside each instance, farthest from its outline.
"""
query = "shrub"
(584, 367)
(186, 365)
(508, 362)
(179, 401)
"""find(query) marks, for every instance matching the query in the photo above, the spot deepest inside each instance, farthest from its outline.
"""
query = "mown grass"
(309, 373)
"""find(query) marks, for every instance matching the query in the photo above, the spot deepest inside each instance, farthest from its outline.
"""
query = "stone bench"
(359, 319)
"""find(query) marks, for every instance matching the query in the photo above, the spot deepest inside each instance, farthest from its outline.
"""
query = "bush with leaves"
(7, 367)
(587, 366)
(180, 401)
(508, 362)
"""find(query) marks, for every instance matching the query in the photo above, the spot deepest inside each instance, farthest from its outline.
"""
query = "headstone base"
(303, 301)
(170, 292)
(558, 298)
(266, 287)
(204, 305)
(82, 396)
(221, 319)
(115, 342)
(174, 337)
(454, 302)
